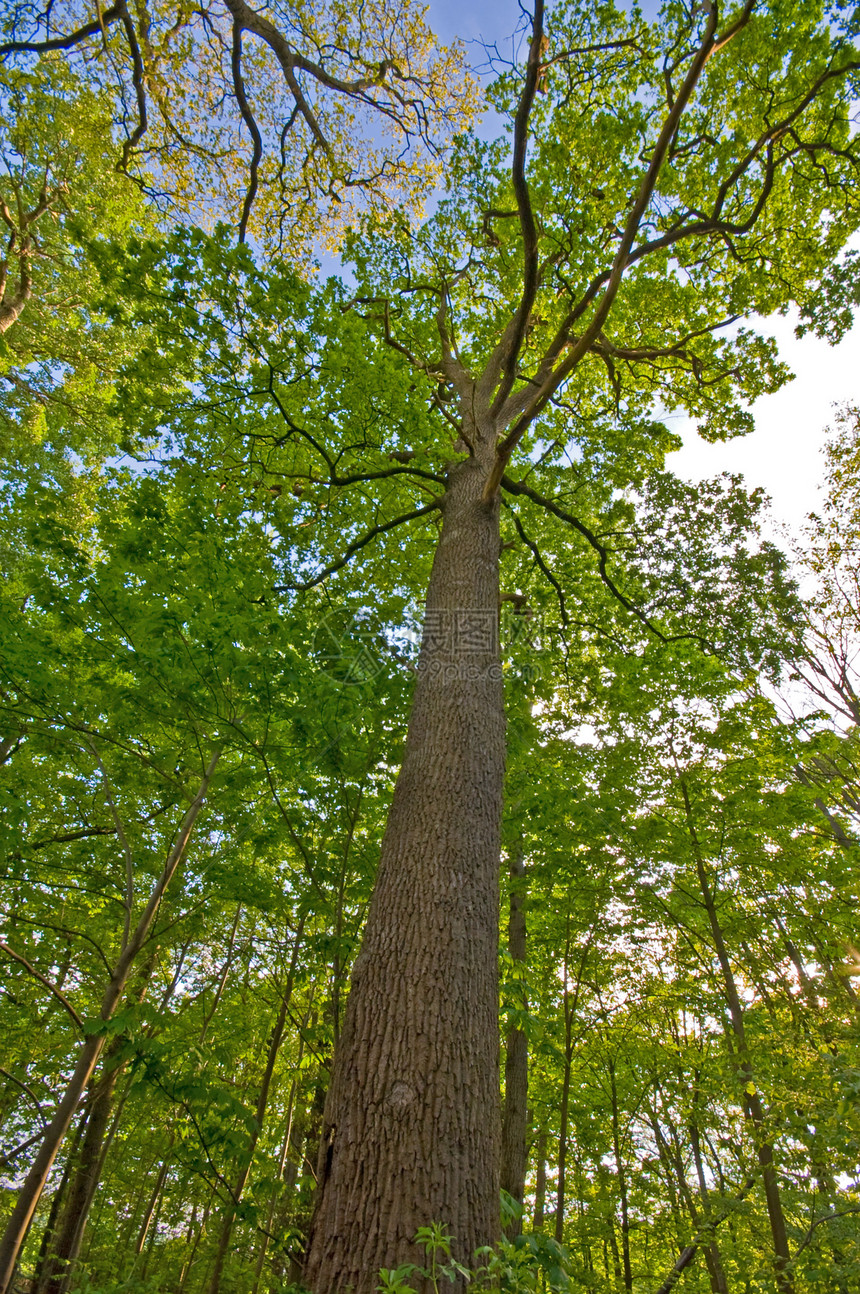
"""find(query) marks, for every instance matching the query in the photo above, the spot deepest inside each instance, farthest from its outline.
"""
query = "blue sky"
(474, 19)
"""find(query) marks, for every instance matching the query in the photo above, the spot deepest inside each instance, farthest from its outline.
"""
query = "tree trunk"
(740, 1056)
(411, 1127)
(515, 1120)
(540, 1181)
(282, 1161)
(672, 1157)
(188, 1266)
(713, 1261)
(622, 1182)
(59, 1199)
(55, 1274)
(561, 1185)
(154, 1197)
(275, 1039)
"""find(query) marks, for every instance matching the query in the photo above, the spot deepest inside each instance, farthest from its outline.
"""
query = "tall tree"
(625, 277)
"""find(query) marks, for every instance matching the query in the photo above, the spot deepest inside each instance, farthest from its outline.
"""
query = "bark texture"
(411, 1125)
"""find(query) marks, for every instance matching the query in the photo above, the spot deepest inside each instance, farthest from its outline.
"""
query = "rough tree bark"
(411, 1125)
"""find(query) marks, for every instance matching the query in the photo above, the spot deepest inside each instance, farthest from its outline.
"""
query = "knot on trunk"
(400, 1096)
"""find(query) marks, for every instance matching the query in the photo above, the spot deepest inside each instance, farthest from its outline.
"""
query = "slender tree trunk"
(622, 1182)
(189, 1261)
(270, 1217)
(561, 1185)
(671, 1156)
(752, 1102)
(119, 1107)
(58, 1266)
(154, 1197)
(515, 1120)
(411, 1128)
(275, 1040)
(713, 1261)
(540, 1181)
(91, 1048)
(569, 1008)
(59, 1199)
(222, 976)
(613, 1245)
(153, 1228)
(56, 1273)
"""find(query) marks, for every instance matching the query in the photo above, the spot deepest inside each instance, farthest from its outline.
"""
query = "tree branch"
(253, 128)
(64, 42)
(504, 359)
(520, 487)
(544, 569)
(709, 44)
(26, 1088)
(137, 80)
(52, 988)
(247, 19)
(356, 546)
(827, 1217)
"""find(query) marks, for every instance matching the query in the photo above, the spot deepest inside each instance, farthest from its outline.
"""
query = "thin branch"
(508, 350)
(52, 988)
(542, 566)
(64, 42)
(519, 487)
(253, 128)
(356, 546)
(827, 1217)
(25, 1087)
(8, 1155)
(356, 478)
(583, 344)
(60, 930)
(84, 834)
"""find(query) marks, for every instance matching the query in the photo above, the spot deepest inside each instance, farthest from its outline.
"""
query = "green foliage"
(59, 191)
(196, 441)
(527, 1264)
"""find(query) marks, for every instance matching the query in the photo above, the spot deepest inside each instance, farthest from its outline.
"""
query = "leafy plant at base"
(527, 1264)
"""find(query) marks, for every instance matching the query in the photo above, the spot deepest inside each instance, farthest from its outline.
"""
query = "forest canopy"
(429, 825)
